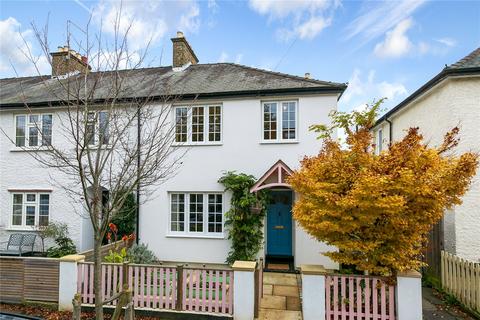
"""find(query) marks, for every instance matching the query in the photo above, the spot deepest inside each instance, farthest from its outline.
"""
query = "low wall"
(29, 279)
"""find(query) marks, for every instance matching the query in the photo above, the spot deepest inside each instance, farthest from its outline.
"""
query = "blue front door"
(279, 224)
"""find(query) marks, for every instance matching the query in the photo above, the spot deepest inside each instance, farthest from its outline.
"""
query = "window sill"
(23, 229)
(29, 149)
(194, 236)
(193, 144)
(279, 142)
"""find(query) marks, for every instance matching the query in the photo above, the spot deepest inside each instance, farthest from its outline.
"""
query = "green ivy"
(243, 222)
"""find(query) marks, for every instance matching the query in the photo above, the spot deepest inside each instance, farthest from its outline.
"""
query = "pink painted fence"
(207, 290)
(358, 297)
(163, 287)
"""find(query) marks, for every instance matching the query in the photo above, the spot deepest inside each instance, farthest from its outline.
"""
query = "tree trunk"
(97, 279)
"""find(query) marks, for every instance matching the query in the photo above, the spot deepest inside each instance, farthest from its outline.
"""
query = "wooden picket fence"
(163, 287)
(461, 278)
(359, 297)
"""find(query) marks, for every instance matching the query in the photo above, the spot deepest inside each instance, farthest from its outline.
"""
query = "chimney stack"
(182, 52)
(66, 61)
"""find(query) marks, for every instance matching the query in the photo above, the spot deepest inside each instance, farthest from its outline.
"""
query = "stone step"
(288, 291)
(283, 279)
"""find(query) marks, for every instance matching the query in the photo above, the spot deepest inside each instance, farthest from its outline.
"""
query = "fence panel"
(461, 278)
(27, 278)
(359, 297)
(207, 290)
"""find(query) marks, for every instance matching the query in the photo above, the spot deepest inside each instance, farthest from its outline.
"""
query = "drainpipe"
(390, 131)
(137, 213)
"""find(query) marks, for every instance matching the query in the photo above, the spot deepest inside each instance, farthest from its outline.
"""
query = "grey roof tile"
(470, 61)
(197, 79)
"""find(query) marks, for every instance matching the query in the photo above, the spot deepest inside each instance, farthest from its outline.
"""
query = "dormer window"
(198, 124)
(279, 121)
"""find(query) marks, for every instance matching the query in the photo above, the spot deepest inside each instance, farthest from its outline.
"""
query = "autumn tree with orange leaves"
(378, 209)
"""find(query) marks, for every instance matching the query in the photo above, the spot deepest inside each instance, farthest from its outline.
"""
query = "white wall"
(18, 170)
(241, 151)
(454, 102)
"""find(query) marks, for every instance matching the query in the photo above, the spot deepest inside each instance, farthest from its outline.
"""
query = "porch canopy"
(275, 177)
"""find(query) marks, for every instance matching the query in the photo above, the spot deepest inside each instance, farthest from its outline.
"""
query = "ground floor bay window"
(196, 214)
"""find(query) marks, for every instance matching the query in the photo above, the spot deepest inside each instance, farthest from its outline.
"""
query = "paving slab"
(273, 302)
(288, 291)
(279, 315)
(293, 303)
(268, 289)
(283, 279)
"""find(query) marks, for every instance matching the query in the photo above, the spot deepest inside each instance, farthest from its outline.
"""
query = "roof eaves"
(446, 72)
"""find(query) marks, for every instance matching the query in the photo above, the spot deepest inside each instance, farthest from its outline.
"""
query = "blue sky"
(380, 48)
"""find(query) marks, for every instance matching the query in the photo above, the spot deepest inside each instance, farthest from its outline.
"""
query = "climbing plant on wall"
(244, 220)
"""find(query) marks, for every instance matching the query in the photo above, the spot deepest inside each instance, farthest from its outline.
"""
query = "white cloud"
(17, 51)
(396, 42)
(225, 57)
(379, 17)
(304, 19)
(148, 21)
(362, 90)
(449, 42)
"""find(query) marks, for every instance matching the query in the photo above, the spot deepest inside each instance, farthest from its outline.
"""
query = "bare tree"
(117, 128)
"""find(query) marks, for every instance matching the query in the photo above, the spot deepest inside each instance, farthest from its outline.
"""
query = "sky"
(382, 49)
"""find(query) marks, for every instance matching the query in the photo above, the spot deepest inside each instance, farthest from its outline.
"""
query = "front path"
(281, 297)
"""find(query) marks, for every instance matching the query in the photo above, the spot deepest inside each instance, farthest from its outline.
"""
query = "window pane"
(196, 213)
(270, 121)
(197, 123)
(30, 215)
(31, 197)
(43, 209)
(32, 136)
(103, 128)
(215, 213)
(90, 129)
(214, 123)
(288, 120)
(181, 117)
(33, 119)
(20, 131)
(47, 129)
(177, 212)
(17, 209)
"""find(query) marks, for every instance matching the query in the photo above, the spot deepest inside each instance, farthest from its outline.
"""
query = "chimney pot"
(180, 34)
(307, 75)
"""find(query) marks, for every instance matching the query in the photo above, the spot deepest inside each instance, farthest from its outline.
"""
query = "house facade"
(450, 99)
(229, 118)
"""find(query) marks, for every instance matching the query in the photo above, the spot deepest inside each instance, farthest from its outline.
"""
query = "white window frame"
(28, 125)
(96, 136)
(206, 124)
(279, 138)
(186, 231)
(26, 203)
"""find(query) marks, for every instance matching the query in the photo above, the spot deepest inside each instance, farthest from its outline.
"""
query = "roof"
(469, 65)
(195, 81)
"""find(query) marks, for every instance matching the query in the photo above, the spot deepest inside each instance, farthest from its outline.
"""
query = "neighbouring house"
(451, 98)
(244, 119)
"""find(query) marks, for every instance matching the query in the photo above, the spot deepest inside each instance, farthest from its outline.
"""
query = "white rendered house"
(229, 118)
(450, 99)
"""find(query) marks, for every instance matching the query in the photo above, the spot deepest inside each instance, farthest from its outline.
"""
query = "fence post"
(179, 303)
(243, 290)
(313, 292)
(409, 295)
(67, 282)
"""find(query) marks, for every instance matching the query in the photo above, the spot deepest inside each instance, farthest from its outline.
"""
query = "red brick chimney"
(66, 61)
